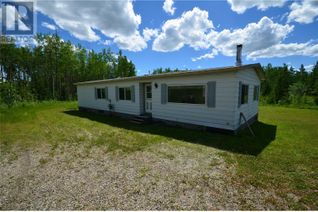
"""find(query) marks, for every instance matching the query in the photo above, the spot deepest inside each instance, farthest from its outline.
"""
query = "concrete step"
(142, 119)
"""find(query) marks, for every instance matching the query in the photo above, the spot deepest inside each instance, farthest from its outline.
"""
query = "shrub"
(9, 94)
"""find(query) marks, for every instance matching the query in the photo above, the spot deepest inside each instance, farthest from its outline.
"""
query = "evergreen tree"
(50, 69)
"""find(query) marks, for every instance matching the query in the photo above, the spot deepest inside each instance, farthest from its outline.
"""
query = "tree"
(125, 68)
(166, 70)
(50, 69)
(297, 92)
(314, 80)
(275, 87)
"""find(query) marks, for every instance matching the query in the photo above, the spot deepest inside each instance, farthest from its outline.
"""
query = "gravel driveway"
(164, 176)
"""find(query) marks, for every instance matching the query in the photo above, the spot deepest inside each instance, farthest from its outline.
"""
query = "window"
(256, 93)
(148, 92)
(100, 93)
(187, 94)
(244, 94)
(125, 93)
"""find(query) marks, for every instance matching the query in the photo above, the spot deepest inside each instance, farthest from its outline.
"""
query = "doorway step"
(142, 119)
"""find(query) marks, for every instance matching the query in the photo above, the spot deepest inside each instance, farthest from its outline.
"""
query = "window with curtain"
(187, 94)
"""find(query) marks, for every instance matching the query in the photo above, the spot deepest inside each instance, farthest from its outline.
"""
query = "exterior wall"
(222, 116)
(250, 109)
(86, 97)
(225, 115)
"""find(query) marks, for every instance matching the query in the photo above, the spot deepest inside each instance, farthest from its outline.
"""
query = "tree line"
(48, 70)
(285, 85)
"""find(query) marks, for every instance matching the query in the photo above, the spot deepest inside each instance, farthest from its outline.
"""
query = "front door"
(148, 98)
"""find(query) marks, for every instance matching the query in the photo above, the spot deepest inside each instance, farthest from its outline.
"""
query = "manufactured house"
(213, 98)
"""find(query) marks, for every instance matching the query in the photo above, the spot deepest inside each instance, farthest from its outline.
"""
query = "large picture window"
(187, 94)
(100, 93)
(125, 93)
(244, 94)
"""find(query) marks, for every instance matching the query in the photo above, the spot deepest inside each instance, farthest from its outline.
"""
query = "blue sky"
(176, 33)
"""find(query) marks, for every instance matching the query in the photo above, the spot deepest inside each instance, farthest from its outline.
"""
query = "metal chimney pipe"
(239, 55)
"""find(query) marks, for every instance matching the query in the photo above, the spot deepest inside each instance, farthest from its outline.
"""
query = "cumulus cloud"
(115, 19)
(254, 37)
(49, 26)
(195, 30)
(210, 55)
(168, 7)
(133, 43)
(189, 29)
(303, 12)
(240, 6)
(284, 50)
(150, 33)
(262, 39)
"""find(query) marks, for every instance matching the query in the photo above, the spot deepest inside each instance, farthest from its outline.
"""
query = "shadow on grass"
(243, 143)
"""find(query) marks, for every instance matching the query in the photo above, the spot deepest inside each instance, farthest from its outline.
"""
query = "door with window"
(148, 98)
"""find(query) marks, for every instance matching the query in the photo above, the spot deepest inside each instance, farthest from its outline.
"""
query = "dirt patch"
(164, 176)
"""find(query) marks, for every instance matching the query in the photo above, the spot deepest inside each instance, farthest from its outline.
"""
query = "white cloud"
(114, 19)
(210, 55)
(240, 6)
(49, 26)
(303, 12)
(254, 37)
(168, 7)
(150, 33)
(26, 42)
(263, 39)
(309, 67)
(189, 29)
(284, 50)
(133, 43)
(107, 42)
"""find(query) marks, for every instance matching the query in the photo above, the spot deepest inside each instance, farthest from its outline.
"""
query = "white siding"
(250, 109)
(86, 97)
(222, 116)
(225, 115)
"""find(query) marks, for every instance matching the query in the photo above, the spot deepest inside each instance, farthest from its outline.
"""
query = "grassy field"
(55, 157)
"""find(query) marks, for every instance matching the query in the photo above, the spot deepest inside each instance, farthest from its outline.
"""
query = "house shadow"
(243, 143)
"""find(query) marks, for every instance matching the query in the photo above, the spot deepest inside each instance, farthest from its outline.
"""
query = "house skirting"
(174, 123)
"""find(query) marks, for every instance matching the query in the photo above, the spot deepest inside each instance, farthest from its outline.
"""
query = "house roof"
(256, 66)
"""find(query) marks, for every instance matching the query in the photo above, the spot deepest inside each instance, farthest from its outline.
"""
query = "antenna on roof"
(239, 55)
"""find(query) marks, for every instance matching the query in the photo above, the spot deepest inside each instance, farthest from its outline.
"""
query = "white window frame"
(125, 97)
(101, 93)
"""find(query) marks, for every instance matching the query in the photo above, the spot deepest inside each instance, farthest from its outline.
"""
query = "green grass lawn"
(282, 157)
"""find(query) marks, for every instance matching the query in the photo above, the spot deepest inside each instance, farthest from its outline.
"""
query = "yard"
(54, 157)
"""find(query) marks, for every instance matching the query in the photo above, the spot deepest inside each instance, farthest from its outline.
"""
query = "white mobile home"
(212, 98)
